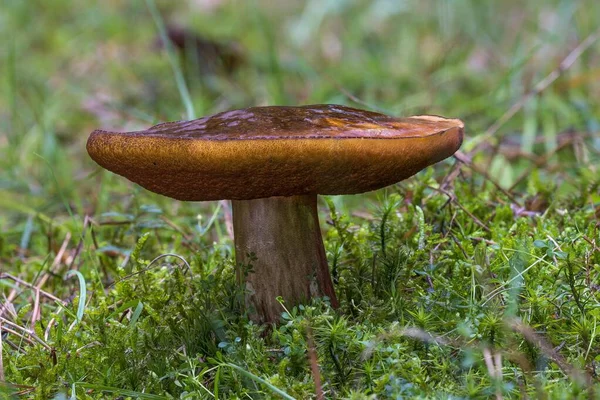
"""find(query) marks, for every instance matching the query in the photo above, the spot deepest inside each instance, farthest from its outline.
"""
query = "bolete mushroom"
(272, 162)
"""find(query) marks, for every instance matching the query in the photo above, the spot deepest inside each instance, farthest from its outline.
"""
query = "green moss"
(432, 273)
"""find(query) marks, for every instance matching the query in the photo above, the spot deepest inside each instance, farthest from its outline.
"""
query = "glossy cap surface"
(277, 151)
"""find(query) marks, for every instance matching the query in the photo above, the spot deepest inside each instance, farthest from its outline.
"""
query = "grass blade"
(82, 293)
(179, 79)
(259, 380)
(136, 313)
(120, 392)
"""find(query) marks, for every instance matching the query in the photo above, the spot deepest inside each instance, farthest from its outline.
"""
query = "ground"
(477, 278)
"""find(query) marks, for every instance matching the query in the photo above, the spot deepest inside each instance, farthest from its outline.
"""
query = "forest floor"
(477, 278)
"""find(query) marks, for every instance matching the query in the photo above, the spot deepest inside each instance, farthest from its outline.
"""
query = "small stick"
(16, 347)
(26, 390)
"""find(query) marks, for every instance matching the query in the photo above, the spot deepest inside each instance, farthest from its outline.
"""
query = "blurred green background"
(69, 67)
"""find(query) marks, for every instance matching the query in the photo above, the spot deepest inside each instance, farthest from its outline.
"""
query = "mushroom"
(272, 162)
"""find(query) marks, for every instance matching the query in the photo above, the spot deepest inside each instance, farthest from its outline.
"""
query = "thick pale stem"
(289, 256)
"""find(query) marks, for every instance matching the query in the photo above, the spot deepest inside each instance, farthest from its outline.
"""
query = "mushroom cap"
(262, 152)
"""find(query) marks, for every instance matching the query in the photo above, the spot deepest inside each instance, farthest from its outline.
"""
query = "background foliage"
(477, 278)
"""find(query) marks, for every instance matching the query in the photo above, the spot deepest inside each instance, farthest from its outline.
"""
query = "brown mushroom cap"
(262, 152)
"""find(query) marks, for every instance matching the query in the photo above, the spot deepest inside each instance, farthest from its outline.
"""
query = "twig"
(26, 390)
(14, 346)
(454, 171)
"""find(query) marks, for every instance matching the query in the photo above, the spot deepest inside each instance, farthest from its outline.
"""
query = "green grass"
(491, 291)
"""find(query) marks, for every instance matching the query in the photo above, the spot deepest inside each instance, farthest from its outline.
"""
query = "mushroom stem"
(289, 256)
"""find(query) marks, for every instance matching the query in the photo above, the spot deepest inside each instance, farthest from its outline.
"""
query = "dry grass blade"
(35, 314)
(7, 304)
(5, 275)
(48, 328)
(470, 164)
(314, 365)
(189, 239)
(452, 198)
(56, 262)
(534, 338)
(493, 362)
(24, 331)
(151, 265)
(26, 390)
(20, 335)
(541, 161)
(1, 361)
(87, 221)
(424, 336)
(228, 217)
